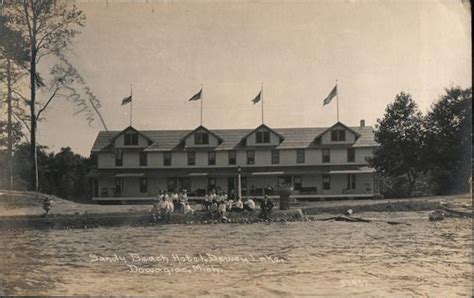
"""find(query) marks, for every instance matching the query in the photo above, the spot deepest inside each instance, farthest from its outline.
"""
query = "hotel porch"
(309, 183)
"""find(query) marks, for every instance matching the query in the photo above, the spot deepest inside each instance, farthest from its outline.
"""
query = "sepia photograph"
(236, 148)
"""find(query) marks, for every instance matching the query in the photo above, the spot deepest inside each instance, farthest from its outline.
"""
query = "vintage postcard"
(236, 148)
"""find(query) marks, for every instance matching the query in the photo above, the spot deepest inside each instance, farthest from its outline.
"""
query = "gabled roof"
(201, 127)
(166, 140)
(132, 128)
(264, 126)
(112, 136)
(342, 124)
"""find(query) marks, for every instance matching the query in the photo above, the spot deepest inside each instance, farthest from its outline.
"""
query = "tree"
(48, 26)
(449, 126)
(13, 57)
(401, 136)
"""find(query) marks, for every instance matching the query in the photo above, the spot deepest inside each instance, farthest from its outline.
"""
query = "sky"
(165, 51)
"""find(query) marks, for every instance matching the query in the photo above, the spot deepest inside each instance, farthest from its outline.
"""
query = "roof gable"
(133, 129)
(265, 127)
(343, 125)
(198, 128)
(113, 136)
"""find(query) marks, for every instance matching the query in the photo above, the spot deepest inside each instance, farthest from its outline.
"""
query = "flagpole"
(261, 94)
(131, 104)
(202, 99)
(337, 101)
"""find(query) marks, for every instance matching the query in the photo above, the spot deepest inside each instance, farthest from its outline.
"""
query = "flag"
(257, 98)
(196, 96)
(330, 96)
(126, 100)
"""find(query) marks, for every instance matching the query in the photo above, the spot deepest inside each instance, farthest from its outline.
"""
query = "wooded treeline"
(425, 154)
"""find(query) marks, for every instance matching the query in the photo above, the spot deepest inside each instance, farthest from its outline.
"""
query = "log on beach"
(358, 219)
(450, 211)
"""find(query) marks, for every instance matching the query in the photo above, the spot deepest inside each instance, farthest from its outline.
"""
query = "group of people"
(169, 202)
(217, 204)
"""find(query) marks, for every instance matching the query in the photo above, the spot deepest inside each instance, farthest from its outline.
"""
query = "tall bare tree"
(48, 26)
(13, 59)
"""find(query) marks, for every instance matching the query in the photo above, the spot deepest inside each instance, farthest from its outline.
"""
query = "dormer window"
(130, 139)
(201, 138)
(262, 137)
(338, 135)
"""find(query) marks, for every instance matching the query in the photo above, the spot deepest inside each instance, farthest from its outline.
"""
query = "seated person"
(229, 204)
(166, 206)
(155, 210)
(266, 206)
(175, 199)
(249, 205)
(213, 207)
(232, 195)
(187, 209)
(238, 206)
(207, 202)
(221, 210)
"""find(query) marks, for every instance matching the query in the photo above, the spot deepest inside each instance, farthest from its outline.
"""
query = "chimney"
(362, 123)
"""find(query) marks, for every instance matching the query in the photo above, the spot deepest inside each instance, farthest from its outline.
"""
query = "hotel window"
(300, 155)
(275, 157)
(350, 155)
(201, 138)
(262, 137)
(338, 135)
(191, 158)
(326, 182)
(232, 157)
(351, 181)
(297, 182)
(130, 139)
(118, 158)
(143, 158)
(143, 185)
(250, 157)
(211, 183)
(167, 158)
(326, 155)
(211, 158)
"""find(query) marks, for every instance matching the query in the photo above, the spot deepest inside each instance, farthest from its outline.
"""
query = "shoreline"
(70, 215)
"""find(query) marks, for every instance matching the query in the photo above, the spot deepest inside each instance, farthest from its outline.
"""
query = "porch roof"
(231, 171)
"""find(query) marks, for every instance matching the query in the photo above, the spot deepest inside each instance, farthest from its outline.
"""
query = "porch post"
(373, 184)
(239, 183)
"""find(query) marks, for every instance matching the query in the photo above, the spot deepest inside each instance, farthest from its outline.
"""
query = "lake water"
(286, 259)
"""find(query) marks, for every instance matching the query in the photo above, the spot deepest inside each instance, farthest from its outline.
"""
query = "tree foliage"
(63, 174)
(448, 140)
(400, 135)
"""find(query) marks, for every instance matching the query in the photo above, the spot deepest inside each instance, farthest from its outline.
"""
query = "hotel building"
(319, 162)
